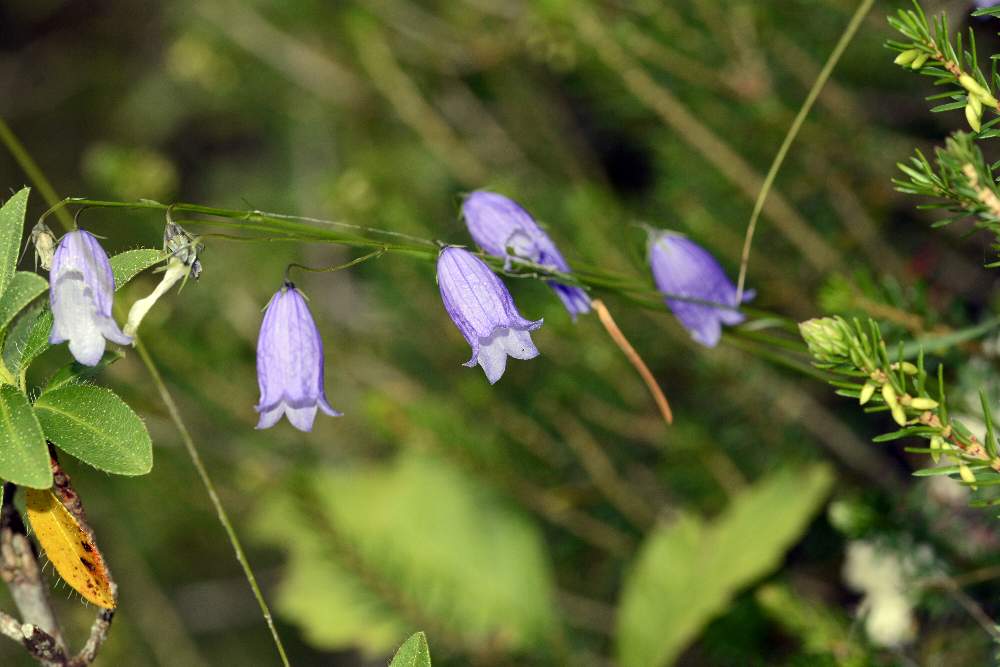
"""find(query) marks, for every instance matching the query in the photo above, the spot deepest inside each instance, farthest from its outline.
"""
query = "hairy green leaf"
(688, 571)
(11, 229)
(96, 426)
(30, 336)
(27, 339)
(76, 373)
(413, 653)
(23, 288)
(24, 456)
(127, 265)
(374, 554)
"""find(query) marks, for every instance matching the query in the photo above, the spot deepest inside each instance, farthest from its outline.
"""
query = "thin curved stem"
(640, 366)
(220, 510)
(337, 267)
(845, 39)
(34, 172)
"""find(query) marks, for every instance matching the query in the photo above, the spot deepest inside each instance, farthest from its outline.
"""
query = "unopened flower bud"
(973, 86)
(908, 368)
(866, 392)
(977, 104)
(922, 403)
(969, 477)
(919, 61)
(45, 244)
(827, 337)
(899, 414)
(973, 117)
(889, 395)
(906, 57)
(937, 444)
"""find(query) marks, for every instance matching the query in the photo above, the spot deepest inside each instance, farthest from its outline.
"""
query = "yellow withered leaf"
(70, 549)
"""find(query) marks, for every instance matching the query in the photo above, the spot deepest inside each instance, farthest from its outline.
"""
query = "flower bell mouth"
(505, 230)
(290, 363)
(81, 295)
(682, 268)
(484, 312)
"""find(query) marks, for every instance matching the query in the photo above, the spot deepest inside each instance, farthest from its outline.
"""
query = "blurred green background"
(551, 519)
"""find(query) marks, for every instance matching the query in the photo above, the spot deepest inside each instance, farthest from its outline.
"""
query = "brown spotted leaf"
(70, 548)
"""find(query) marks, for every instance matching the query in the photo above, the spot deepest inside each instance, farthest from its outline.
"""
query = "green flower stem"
(793, 131)
(220, 510)
(319, 231)
(34, 172)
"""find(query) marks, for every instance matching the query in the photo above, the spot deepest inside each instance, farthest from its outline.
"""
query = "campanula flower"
(683, 268)
(483, 310)
(81, 294)
(505, 230)
(290, 363)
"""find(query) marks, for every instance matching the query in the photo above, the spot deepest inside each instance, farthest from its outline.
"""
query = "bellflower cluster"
(483, 310)
(683, 268)
(290, 363)
(81, 295)
(504, 229)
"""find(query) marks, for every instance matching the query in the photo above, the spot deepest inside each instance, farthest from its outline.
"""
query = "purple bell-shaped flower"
(290, 363)
(82, 289)
(483, 310)
(505, 230)
(683, 268)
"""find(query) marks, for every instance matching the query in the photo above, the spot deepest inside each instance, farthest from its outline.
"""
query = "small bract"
(290, 363)
(683, 268)
(503, 229)
(81, 294)
(483, 310)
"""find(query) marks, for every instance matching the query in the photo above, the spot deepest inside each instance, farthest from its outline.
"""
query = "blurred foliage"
(501, 520)
(686, 572)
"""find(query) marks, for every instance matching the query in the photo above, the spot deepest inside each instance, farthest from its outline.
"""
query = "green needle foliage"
(884, 382)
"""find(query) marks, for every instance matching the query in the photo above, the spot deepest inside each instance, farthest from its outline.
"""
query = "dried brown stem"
(39, 633)
(19, 569)
(622, 342)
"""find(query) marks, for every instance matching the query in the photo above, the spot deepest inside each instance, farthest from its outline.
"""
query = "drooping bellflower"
(483, 310)
(81, 294)
(505, 230)
(683, 268)
(290, 363)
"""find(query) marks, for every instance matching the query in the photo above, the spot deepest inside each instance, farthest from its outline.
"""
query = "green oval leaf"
(413, 653)
(24, 456)
(127, 265)
(11, 229)
(96, 426)
(688, 571)
(24, 288)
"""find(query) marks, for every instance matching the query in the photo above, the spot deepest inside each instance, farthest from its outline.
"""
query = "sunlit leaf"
(127, 265)
(24, 456)
(376, 552)
(688, 571)
(77, 373)
(413, 653)
(96, 426)
(28, 338)
(69, 548)
(11, 229)
(23, 288)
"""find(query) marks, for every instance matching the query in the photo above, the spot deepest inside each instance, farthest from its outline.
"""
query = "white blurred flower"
(881, 575)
